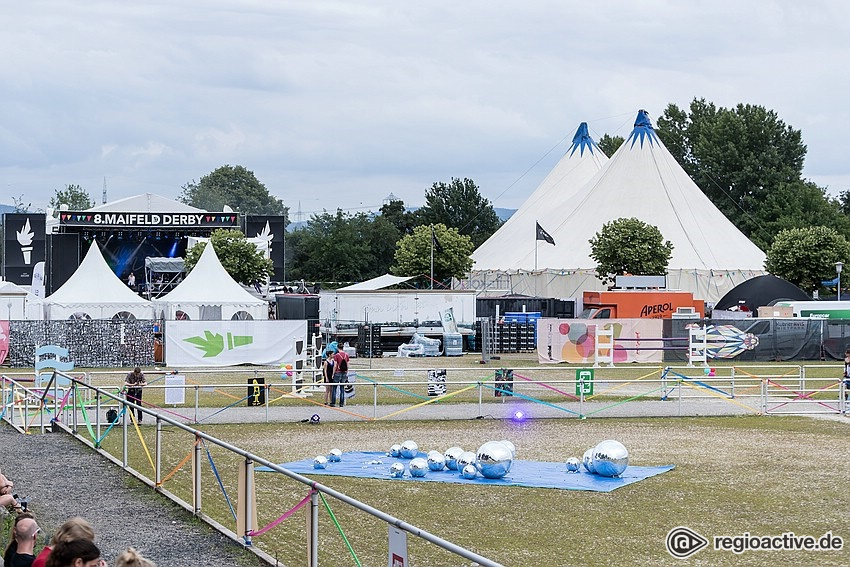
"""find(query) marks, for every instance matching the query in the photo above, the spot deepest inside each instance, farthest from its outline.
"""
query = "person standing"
(328, 370)
(131, 281)
(340, 377)
(134, 382)
(847, 373)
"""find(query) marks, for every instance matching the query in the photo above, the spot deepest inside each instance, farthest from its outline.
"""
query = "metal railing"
(66, 417)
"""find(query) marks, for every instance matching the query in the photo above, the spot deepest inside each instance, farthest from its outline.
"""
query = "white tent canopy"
(95, 292)
(16, 303)
(643, 180)
(376, 283)
(147, 203)
(509, 247)
(208, 293)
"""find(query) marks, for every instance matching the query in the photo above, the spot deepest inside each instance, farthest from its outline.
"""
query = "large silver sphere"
(320, 462)
(587, 461)
(436, 461)
(452, 454)
(466, 458)
(510, 446)
(573, 464)
(395, 450)
(409, 449)
(610, 458)
(418, 467)
(469, 472)
(397, 470)
(334, 456)
(494, 459)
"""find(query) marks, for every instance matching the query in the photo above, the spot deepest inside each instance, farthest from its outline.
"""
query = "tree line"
(745, 159)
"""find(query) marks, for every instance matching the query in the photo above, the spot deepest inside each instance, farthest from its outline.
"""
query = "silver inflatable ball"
(320, 462)
(395, 450)
(587, 461)
(436, 461)
(510, 446)
(418, 467)
(494, 459)
(610, 458)
(396, 470)
(452, 454)
(334, 456)
(466, 458)
(409, 449)
(573, 464)
(469, 472)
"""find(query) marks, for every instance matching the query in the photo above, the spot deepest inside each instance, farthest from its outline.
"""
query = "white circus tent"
(209, 293)
(643, 180)
(514, 243)
(94, 292)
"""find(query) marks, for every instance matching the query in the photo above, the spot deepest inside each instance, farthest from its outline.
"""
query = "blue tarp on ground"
(533, 474)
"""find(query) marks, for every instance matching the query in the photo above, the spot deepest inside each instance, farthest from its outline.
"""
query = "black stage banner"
(24, 245)
(153, 220)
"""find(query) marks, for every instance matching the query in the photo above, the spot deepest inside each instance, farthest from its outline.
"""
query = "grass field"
(766, 475)
(762, 475)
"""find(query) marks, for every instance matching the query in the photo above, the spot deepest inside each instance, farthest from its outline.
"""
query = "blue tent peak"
(582, 141)
(642, 130)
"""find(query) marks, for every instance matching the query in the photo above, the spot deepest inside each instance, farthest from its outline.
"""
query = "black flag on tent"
(543, 235)
(434, 242)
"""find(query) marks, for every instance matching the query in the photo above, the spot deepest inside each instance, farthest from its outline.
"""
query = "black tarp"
(759, 291)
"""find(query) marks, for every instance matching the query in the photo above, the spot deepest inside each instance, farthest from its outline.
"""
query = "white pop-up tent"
(208, 293)
(642, 180)
(16, 303)
(95, 292)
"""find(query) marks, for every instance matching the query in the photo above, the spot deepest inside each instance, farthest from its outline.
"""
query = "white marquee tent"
(95, 292)
(643, 180)
(510, 246)
(208, 293)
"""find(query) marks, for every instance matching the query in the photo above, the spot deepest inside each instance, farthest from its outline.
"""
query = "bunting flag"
(436, 243)
(543, 235)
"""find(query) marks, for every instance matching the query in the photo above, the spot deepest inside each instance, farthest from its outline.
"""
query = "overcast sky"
(338, 104)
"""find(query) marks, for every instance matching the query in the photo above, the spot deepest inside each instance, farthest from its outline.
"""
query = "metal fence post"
(764, 395)
(314, 532)
(158, 450)
(374, 400)
(197, 401)
(196, 477)
(124, 456)
(97, 411)
(268, 388)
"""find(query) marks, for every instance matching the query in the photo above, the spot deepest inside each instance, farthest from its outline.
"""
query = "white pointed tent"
(94, 292)
(209, 293)
(510, 246)
(643, 180)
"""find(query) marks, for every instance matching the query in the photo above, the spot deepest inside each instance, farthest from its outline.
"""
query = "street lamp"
(838, 266)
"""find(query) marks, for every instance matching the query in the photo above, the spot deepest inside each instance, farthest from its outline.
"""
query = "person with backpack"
(340, 377)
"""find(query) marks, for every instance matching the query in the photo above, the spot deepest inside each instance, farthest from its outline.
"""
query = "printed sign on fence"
(437, 382)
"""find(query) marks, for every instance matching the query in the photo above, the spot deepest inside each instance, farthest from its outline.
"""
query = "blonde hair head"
(74, 529)
(130, 557)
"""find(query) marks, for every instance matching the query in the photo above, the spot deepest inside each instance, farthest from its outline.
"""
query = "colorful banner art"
(227, 343)
(4, 340)
(574, 340)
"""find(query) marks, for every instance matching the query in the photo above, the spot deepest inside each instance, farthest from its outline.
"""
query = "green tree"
(798, 204)
(335, 247)
(20, 205)
(233, 186)
(240, 258)
(396, 213)
(610, 144)
(452, 257)
(737, 156)
(807, 256)
(74, 196)
(459, 204)
(629, 246)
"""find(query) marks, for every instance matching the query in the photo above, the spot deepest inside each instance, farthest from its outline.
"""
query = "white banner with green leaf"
(226, 343)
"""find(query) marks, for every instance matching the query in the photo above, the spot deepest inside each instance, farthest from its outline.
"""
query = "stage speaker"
(63, 259)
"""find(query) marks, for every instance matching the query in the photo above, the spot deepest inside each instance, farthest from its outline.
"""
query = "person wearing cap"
(134, 382)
